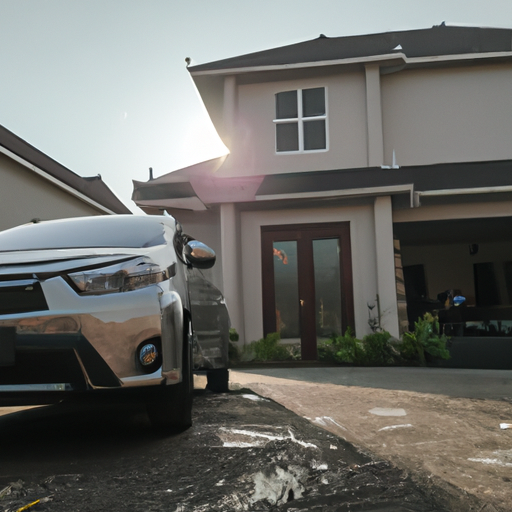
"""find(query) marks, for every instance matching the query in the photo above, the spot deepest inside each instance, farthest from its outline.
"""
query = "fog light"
(148, 354)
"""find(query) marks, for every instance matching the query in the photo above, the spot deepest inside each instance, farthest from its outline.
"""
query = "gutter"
(397, 56)
(354, 192)
(459, 192)
(415, 196)
(55, 181)
(299, 65)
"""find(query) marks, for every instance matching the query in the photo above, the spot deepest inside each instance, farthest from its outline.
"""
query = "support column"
(385, 253)
(374, 116)
(229, 110)
(231, 267)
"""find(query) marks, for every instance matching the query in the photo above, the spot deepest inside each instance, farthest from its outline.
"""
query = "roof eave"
(393, 58)
(390, 59)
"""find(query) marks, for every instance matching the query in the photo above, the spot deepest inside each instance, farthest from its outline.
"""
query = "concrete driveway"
(442, 425)
(492, 384)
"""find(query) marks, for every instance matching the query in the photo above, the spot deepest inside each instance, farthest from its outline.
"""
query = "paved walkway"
(440, 424)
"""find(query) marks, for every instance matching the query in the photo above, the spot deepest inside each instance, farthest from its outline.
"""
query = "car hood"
(62, 260)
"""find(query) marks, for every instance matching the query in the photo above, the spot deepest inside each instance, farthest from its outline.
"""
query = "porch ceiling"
(456, 231)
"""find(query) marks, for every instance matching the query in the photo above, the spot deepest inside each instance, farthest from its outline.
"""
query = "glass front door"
(307, 283)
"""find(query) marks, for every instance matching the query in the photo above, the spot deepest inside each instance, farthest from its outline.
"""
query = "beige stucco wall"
(211, 91)
(253, 147)
(454, 114)
(24, 195)
(429, 115)
(362, 232)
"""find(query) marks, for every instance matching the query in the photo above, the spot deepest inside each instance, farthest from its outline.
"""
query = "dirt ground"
(447, 441)
(243, 453)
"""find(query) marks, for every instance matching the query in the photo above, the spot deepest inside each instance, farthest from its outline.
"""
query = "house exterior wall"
(253, 149)
(456, 114)
(364, 265)
(425, 115)
(429, 115)
(443, 113)
(212, 95)
(25, 195)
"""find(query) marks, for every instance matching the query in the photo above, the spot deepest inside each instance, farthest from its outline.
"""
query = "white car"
(93, 306)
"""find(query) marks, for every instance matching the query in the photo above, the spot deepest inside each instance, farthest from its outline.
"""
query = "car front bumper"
(84, 343)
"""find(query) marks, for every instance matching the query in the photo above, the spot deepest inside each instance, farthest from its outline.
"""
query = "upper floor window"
(301, 120)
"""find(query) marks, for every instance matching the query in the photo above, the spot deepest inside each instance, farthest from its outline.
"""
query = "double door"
(307, 283)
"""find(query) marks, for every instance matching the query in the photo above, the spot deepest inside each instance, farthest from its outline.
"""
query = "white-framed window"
(301, 120)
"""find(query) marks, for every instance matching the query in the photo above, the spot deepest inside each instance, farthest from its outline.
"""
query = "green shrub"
(233, 354)
(269, 348)
(424, 340)
(378, 349)
(342, 349)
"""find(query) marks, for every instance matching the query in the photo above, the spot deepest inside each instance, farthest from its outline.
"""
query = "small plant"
(233, 354)
(233, 334)
(424, 340)
(269, 348)
(373, 322)
(342, 349)
(378, 349)
(294, 351)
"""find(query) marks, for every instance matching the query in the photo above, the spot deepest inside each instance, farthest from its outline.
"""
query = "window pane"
(286, 105)
(287, 137)
(326, 258)
(314, 135)
(313, 102)
(286, 289)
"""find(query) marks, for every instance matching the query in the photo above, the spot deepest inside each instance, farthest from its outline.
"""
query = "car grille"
(44, 366)
(21, 296)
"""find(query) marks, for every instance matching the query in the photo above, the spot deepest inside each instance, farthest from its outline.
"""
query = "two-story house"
(350, 159)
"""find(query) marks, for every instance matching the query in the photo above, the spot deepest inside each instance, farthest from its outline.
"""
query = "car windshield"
(87, 232)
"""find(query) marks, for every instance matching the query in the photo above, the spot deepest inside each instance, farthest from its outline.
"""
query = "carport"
(471, 257)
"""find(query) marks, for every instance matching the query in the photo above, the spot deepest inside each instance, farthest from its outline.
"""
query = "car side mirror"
(199, 255)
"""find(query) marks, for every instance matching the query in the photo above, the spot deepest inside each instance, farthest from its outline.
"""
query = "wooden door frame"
(304, 234)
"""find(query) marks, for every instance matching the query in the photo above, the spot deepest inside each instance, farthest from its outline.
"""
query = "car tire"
(170, 407)
(218, 380)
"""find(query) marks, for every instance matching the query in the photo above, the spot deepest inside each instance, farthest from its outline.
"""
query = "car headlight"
(123, 277)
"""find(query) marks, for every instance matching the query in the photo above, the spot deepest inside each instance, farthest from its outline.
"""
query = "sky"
(102, 87)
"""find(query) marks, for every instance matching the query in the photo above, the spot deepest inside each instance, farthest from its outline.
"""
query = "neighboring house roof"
(92, 187)
(435, 41)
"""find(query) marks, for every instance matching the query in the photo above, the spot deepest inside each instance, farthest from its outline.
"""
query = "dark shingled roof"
(164, 191)
(438, 40)
(424, 177)
(92, 187)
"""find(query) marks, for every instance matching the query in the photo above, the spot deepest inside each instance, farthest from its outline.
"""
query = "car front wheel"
(170, 407)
